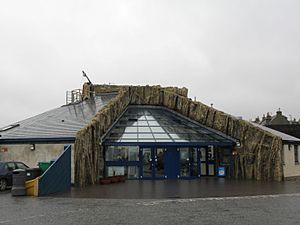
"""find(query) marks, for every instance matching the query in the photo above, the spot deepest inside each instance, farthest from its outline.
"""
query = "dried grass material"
(88, 153)
(259, 155)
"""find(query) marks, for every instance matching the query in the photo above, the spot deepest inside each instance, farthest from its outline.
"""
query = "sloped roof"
(285, 137)
(57, 124)
(153, 124)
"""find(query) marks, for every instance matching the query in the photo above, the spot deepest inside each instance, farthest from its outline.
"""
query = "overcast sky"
(242, 56)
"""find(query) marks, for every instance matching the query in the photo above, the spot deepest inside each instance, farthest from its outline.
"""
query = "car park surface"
(250, 202)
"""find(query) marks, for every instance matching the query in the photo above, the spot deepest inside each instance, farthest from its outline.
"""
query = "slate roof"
(58, 124)
(285, 137)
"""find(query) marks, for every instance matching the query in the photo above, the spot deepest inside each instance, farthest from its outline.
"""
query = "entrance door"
(189, 162)
(153, 163)
(171, 163)
(147, 157)
(207, 159)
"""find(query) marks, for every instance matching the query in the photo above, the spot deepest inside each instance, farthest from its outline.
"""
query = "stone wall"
(259, 156)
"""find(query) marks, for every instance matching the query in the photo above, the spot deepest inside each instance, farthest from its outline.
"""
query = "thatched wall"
(258, 157)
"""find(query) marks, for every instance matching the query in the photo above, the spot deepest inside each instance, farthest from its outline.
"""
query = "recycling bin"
(44, 166)
(19, 178)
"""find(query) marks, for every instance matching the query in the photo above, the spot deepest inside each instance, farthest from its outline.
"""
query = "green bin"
(44, 166)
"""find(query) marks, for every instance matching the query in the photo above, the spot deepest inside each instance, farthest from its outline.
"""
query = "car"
(6, 171)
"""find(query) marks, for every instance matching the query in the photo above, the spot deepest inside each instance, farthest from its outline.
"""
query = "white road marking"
(157, 202)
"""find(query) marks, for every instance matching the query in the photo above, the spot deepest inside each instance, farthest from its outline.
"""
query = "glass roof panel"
(155, 124)
(147, 140)
(161, 136)
(142, 136)
(141, 118)
(128, 135)
(163, 140)
(131, 129)
(144, 130)
(157, 130)
(143, 123)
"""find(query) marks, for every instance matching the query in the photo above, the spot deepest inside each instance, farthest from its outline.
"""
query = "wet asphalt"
(278, 203)
(169, 189)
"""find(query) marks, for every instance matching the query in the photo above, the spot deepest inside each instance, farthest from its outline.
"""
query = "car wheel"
(3, 184)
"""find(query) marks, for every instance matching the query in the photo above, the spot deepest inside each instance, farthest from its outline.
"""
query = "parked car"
(6, 171)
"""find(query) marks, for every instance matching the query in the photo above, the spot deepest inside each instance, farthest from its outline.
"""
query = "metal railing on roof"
(73, 96)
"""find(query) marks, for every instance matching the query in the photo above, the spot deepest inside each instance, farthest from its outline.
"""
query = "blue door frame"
(191, 164)
(208, 160)
(171, 158)
(152, 163)
(168, 166)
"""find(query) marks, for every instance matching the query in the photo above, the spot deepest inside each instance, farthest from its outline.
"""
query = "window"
(155, 124)
(122, 153)
(225, 156)
(115, 171)
(283, 155)
(11, 166)
(21, 166)
(296, 155)
(132, 172)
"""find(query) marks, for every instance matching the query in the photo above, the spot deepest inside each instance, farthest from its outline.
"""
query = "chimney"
(279, 112)
(268, 119)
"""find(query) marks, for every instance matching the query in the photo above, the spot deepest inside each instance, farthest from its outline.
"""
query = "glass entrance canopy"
(148, 125)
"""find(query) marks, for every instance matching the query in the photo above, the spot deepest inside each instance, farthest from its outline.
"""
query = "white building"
(290, 153)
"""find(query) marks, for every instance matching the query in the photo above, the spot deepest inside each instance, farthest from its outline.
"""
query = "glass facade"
(131, 172)
(150, 125)
(155, 143)
(122, 153)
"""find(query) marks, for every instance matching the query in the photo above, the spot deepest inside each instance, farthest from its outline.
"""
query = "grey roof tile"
(283, 136)
(62, 122)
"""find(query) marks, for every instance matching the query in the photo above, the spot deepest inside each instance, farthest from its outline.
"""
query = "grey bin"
(32, 173)
(19, 178)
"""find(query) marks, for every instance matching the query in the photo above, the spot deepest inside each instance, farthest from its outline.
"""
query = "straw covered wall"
(259, 156)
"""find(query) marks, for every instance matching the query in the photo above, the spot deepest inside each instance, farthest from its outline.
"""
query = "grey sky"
(243, 56)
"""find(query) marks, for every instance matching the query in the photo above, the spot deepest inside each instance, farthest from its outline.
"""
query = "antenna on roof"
(84, 74)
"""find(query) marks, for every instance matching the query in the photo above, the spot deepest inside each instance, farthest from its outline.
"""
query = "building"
(247, 151)
(152, 142)
(281, 123)
(43, 137)
(289, 153)
(146, 132)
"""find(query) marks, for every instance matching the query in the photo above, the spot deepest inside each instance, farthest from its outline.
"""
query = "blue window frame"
(154, 128)
(144, 124)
